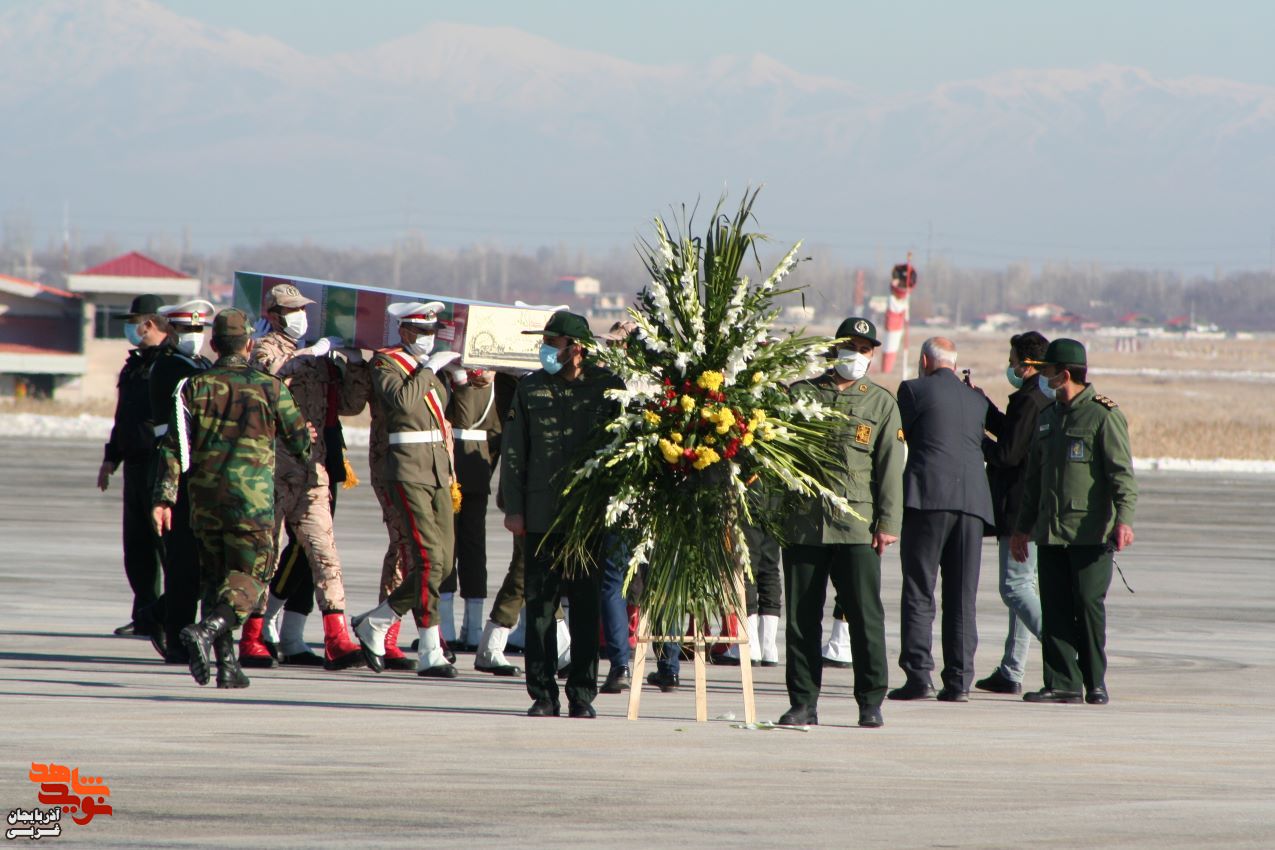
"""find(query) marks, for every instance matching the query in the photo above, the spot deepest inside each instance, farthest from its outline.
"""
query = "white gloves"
(457, 374)
(439, 359)
(322, 347)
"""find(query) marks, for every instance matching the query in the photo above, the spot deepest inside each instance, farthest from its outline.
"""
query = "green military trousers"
(234, 567)
(1073, 607)
(426, 513)
(855, 571)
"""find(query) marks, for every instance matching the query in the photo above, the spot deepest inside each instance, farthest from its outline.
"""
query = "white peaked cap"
(420, 314)
(194, 313)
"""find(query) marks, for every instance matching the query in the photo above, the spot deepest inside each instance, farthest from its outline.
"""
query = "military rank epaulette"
(1105, 402)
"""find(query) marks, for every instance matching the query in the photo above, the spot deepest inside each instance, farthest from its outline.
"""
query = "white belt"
(471, 434)
(161, 430)
(400, 437)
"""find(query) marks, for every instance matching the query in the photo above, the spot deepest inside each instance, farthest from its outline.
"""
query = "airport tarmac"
(1184, 756)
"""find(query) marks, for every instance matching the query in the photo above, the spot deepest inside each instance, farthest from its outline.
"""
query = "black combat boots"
(200, 637)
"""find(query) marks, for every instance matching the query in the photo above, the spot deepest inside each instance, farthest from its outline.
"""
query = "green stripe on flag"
(338, 312)
(248, 293)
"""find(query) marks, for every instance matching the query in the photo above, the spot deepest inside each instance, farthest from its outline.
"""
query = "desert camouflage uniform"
(302, 486)
(227, 420)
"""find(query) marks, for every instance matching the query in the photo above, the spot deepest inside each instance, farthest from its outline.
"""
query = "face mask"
(1015, 380)
(133, 334)
(190, 343)
(295, 325)
(549, 359)
(423, 345)
(851, 365)
(1043, 383)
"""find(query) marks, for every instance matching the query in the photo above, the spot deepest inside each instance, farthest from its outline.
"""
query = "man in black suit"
(1007, 457)
(946, 505)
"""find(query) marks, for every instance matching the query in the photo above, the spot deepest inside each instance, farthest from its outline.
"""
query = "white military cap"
(422, 315)
(193, 314)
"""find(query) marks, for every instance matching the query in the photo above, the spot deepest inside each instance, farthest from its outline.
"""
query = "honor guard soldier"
(1078, 504)
(132, 443)
(178, 359)
(222, 433)
(557, 411)
(420, 468)
(824, 543)
(302, 490)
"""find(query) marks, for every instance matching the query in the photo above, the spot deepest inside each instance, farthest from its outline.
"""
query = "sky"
(883, 46)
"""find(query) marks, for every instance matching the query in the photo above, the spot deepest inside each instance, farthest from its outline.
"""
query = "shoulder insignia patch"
(1105, 402)
(863, 434)
(900, 435)
(863, 388)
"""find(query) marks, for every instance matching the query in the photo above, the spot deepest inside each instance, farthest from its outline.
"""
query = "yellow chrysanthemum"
(651, 417)
(747, 439)
(758, 377)
(711, 381)
(724, 419)
(707, 457)
(676, 437)
(710, 440)
(672, 454)
(688, 403)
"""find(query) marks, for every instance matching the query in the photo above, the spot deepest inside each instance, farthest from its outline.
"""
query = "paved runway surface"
(1184, 756)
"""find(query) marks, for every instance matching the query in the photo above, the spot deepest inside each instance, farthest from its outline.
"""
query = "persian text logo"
(65, 792)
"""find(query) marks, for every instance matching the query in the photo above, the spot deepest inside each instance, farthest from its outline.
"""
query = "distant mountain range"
(143, 119)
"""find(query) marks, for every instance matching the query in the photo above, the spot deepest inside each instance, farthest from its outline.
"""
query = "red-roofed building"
(41, 339)
(109, 288)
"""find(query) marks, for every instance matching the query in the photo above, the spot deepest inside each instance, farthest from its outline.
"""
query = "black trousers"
(141, 546)
(180, 556)
(855, 570)
(950, 544)
(294, 579)
(762, 595)
(471, 548)
(545, 586)
(1073, 606)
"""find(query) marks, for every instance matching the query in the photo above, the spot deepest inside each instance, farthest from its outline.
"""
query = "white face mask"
(295, 325)
(851, 365)
(190, 343)
(424, 345)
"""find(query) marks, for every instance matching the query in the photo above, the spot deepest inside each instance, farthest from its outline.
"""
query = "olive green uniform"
(418, 469)
(825, 543)
(550, 423)
(473, 414)
(1079, 486)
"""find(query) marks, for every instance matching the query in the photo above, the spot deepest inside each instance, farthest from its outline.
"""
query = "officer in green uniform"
(556, 412)
(223, 430)
(420, 472)
(824, 543)
(1078, 504)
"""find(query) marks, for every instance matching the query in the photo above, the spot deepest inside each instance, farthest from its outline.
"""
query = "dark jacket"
(1008, 454)
(133, 433)
(943, 425)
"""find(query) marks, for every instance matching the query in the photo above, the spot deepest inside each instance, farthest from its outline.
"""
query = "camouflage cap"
(286, 295)
(856, 326)
(1062, 352)
(231, 322)
(564, 323)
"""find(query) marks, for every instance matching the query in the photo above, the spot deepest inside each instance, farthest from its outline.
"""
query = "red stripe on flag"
(371, 322)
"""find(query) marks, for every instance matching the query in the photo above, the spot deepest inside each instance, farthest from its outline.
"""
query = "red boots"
(252, 649)
(394, 657)
(339, 649)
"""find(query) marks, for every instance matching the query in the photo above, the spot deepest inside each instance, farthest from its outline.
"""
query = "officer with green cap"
(825, 543)
(222, 432)
(556, 413)
(1078, 504)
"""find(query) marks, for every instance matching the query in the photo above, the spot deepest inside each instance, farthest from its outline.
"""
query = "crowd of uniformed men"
(221, 459)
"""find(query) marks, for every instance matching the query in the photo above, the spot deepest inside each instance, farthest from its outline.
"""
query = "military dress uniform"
(223, 431)
(1079, 487)
(824, 543)
(551, 422)
(178, 549)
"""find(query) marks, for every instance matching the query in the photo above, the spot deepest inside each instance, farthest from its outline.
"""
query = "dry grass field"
(1189, 408)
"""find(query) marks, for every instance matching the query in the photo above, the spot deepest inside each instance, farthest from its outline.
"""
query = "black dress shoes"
(1051, 695)
(799, 715)
(914, 689)
(837, 665)
(997, 683)
(664, 681)
(1097, 696)
(617, 680)
(870, 716)
(544, 708)
(581, 709)
(952, 695)
(438, 671)
(127, 630)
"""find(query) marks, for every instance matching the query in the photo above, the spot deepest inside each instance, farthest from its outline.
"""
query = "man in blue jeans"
(1006, 458)
(615, 616)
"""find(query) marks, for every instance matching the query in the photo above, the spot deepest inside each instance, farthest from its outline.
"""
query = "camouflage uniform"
(418, 470)
(302, 486)
(226, 424)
